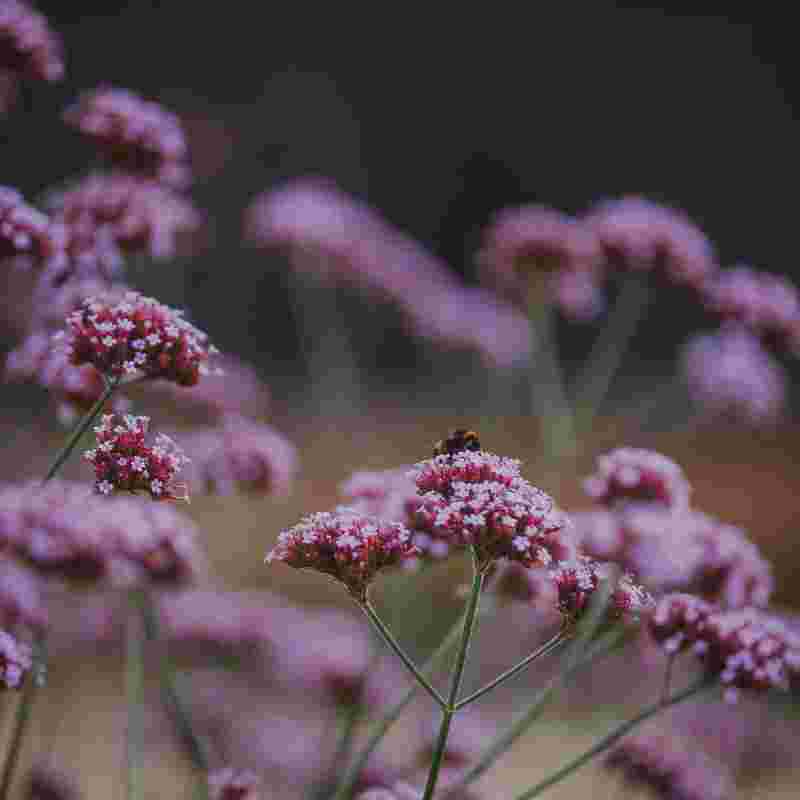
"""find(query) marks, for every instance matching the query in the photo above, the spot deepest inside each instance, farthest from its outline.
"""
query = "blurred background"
(437, 120)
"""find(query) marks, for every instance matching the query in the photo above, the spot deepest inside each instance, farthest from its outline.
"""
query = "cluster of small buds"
(138, 136)
(240, 454)
(539, 240)
(28, 49)
(672, 768)
(345, 544)
(137, 336)
(74, 389)
(767, 304)
(576, 582)
(629, 475)
(64, 529)
(123, 461)
(636, 234)
(28, 235)
(232, 784)
(730, 375)
(134, 215)
(678, 622)
(686, 551)
(517, 523)
(15, 660)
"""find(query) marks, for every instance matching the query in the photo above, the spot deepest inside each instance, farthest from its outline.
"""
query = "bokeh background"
(437, 118)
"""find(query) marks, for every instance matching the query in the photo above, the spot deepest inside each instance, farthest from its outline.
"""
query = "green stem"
(170, 694)
(590, 386)
(381, 726)
(455, 683)
(134, 693)
(548, 647)
(524, 721)
(366, 606)
(22, 717)
(612, 738)
(80, 429)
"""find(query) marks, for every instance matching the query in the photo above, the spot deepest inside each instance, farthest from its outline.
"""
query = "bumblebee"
(458, 440)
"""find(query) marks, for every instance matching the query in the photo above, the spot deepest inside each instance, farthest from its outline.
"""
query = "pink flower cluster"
(240, 454)
(630, 475)
(231, 784)
(746, 648)
(730, 375)
(28, 49)
(15, 660)
(673, 768)
(123, 461)
(139, 136)
(767, 304)
(480, 499)
(682, 551)
(28, 234)
(345, 544)
(109, 213)
(63, 529)
(137, 336)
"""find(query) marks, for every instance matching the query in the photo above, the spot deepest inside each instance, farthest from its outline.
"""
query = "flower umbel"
(350, 546)
(123, 461)
(137, 336)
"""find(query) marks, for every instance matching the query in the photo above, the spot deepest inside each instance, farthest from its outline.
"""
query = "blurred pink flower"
(231, 784)
(28, 235)
(15, 660)
(730, 375)
(21, 600)
(48, 783)
(138, 136)
(240, 455)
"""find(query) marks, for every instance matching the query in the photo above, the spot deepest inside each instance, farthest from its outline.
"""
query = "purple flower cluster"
(345, 544)
(28, 235)
(15, 660)
(28, 49)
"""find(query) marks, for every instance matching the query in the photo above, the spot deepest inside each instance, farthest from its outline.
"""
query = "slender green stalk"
(80, 429)
(380, 727)
(455, 682)
(170, 694)
(134, 693)
(590, 386)
(524, 721)
(548, 647)
(22, 716)
(366, 606)
(23, 711)
(612, 738)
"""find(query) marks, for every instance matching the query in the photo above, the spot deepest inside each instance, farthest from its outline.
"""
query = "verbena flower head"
(345, 544)
(137, 336)
(232, 784)
(518, 523)
(28, 234)
(441, 473)
(767, 304)
(731, 376)
(138, 136)
(137, 215)
(123, 460)
(21, 602)
(671, 767)
(28, 48)
(15, 660)
(638, 235)
(241, 455)
(521, 244)
(631, 475)
(62, 528)
(678, 621)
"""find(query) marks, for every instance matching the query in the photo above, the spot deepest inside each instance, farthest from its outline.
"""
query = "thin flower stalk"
(381, 727)
(590, 387)
(388, 637)
(613, 737)
(134, 694)
(605, 645)
(458, 673)
(550, 646)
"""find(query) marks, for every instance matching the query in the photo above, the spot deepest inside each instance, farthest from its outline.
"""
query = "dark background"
(436, 118)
